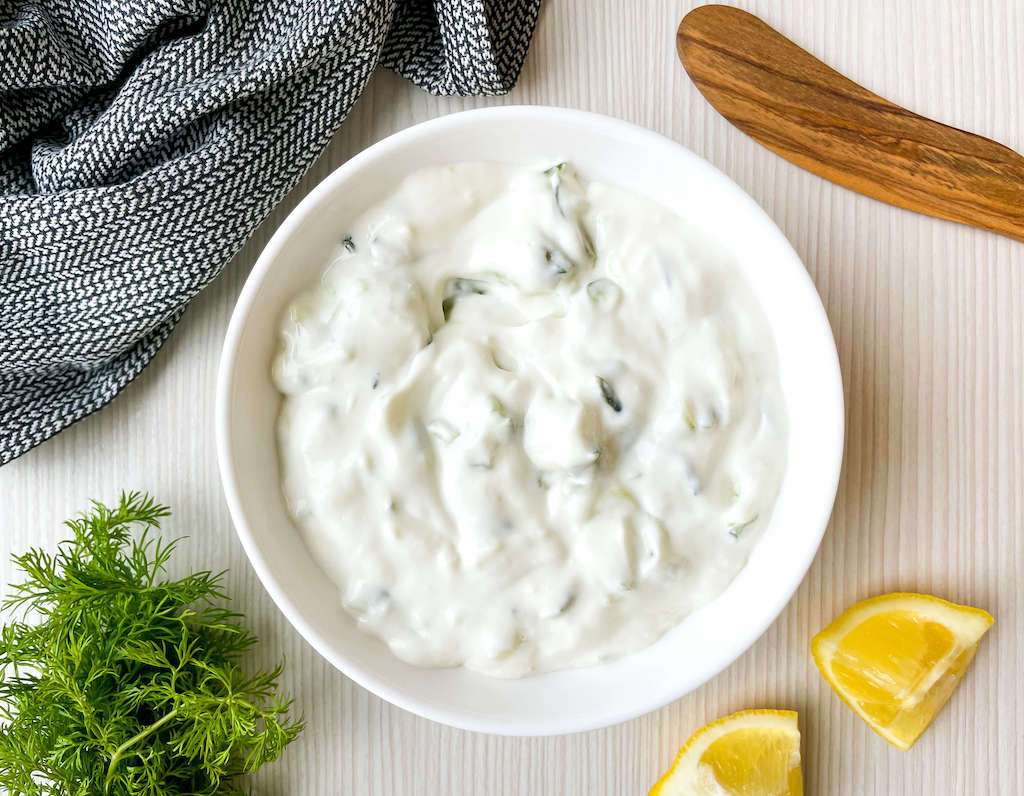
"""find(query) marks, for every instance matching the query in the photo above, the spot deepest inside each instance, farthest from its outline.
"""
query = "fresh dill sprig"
(118, 681)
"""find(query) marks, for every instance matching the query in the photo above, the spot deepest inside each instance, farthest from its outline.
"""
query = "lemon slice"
(750, 753)
(897, 658)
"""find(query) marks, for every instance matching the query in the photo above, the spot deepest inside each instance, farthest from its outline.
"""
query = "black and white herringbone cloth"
(142, 141)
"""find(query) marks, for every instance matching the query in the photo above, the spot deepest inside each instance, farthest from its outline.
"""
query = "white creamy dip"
(529, 422)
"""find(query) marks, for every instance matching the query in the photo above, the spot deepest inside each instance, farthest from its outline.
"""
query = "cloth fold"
(142, 141)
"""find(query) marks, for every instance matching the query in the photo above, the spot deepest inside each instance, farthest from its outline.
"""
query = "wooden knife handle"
(792, 103)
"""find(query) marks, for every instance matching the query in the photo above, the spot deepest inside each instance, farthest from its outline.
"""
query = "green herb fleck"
(688, 416)
(609, 395)
(498, 407)
(737, 529)
(458, 288)
(557, 262)
(556, 170)
(554, 175)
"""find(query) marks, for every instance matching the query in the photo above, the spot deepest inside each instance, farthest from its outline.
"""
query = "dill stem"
(120, 751)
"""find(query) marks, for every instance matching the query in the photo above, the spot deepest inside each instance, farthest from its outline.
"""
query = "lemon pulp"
(896, 659)
(750, 753)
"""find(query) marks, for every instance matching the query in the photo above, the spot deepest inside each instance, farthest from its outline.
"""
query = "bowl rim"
(366, 678)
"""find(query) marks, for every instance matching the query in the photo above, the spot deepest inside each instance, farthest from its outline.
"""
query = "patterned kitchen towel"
(142, 141)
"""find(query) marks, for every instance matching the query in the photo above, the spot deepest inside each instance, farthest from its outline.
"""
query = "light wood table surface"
(929, 319)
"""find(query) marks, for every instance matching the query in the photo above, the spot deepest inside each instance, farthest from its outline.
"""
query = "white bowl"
(705, 642)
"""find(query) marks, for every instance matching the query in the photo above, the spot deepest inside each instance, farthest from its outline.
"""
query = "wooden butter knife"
(789, 101)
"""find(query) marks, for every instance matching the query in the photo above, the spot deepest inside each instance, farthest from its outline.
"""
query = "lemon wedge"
(897, 658)
(750, 753)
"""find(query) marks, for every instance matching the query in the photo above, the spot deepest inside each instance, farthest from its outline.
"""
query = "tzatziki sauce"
(530, 421)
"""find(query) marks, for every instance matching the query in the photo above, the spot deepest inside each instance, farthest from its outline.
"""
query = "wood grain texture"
(792, 103)
(929, 319)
